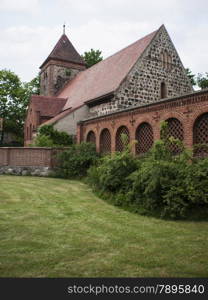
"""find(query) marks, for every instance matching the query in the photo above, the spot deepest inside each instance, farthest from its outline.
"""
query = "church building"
(129, 92)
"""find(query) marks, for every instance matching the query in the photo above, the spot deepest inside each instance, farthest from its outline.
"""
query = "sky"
(29, 29)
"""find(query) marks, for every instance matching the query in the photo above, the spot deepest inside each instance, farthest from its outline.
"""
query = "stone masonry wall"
(54, 77)
(143, 83)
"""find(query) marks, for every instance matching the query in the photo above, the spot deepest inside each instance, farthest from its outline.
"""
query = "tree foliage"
(92, 57)
(14, 97)
(200, 79)
(191, 76)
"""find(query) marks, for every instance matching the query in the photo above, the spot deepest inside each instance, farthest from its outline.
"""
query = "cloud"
(108, 25)
(24, 48)
(19, 5)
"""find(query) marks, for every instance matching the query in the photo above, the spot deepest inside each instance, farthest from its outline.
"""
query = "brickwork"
(186, 109)
(159, 67)
(24, 157)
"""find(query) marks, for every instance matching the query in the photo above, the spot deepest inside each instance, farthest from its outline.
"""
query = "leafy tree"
(33, 86)
(191, 76)
(202, 80)
(92, 57)
(14, 97)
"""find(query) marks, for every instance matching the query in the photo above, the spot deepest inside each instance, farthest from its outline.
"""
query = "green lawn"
(59, 228)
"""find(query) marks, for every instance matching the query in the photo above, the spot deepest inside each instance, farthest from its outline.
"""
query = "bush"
(43, 141)
(76, 161)
(50, 137)
(112, 171)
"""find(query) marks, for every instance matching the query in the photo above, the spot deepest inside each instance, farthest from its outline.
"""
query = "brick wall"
(186, 109)
(29, 157)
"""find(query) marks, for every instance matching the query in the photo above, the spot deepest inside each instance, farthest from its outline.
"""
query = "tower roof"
(64, 51)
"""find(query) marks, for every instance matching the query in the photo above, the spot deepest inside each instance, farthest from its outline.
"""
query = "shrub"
(76, 161)
(50, 137)
(43, 141)
(112, 171)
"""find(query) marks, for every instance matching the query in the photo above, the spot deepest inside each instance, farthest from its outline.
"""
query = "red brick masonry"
(29, 157)
(187, 109)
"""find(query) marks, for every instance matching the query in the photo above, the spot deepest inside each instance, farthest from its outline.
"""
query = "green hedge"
(76, 161)
(160, 183)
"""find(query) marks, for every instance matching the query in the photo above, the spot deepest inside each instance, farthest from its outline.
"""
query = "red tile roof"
(64, 51)
(48, 106)
(104, 77)
(60, 116)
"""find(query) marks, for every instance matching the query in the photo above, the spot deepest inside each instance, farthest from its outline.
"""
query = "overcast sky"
(29, 29)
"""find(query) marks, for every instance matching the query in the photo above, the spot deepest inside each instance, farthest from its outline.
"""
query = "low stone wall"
(26, 171)
(35, 161)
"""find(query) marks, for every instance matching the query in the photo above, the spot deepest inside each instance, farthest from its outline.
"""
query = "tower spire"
(64, 26)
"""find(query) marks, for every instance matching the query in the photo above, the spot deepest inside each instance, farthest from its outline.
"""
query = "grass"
(59, 228)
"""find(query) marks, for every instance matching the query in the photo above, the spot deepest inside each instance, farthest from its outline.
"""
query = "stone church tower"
(62, 64)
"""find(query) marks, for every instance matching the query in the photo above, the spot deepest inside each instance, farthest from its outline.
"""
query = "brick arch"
(121, 130)
(175, 129)
(105, 141)
(200, 133)
(151, 122)
(175, 114)
(191, 121)
(91, 137)
(144, 137)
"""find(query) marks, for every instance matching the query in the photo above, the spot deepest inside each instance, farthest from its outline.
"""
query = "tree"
(202, 80)
(191, 76)
(14, 97)
(33, 86)
(92, 57)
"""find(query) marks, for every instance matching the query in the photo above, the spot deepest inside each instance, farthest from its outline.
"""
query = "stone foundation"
(26, 171)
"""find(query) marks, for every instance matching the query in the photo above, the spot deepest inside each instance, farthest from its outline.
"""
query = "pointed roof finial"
(64, 28)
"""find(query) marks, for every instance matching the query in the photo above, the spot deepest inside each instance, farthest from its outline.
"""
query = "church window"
(30, 137)
(166, 61)
(163, 90)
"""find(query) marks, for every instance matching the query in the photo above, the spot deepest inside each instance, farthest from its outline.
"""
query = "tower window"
(163, 90)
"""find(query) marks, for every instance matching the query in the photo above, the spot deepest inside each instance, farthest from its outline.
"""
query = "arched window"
(175, 129)
(166, 60)
(200, 134)
(91, 137)
(122, 138)
(105, 141)
(144, 137)
(30, 132)
(163, 90)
